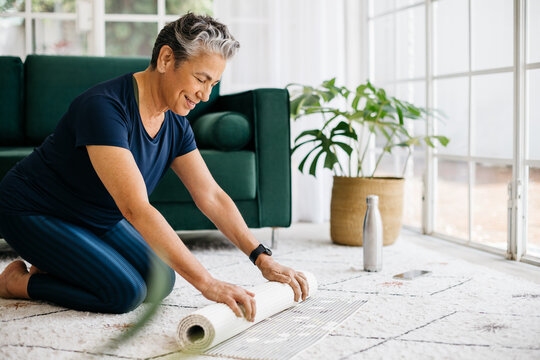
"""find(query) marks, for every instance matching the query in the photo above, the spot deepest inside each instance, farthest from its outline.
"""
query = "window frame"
(97, 43)
(518, 187)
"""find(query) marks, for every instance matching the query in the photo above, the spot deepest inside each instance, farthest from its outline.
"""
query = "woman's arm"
(221, 210)
(119, 173)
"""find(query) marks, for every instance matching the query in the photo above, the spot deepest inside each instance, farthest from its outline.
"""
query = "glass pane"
(412, 206)
(382, 42)
(131, 7)
(492, 33)
(492, 99)
(451, 96)
(414, 92)
(452, 209)
(12, 36)
(130, 38)
(178, 7)
(533, 212)
(58, 37)
(377, 7)
(533, 31)
(533, 93)
(11, 5)
(404, 3)
(65, 6)
(411, 43)
(489, 204)
(450, 45)
(391, 164)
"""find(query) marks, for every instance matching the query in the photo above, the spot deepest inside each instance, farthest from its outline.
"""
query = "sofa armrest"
(269, 111)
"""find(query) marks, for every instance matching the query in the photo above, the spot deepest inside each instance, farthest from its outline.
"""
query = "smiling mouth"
(190, 103)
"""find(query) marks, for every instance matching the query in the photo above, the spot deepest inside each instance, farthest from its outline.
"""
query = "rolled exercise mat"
(215, 323)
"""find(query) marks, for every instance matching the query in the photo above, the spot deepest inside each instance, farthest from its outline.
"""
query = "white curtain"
(300, 41)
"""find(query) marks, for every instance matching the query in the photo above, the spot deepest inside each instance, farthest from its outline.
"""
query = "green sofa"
(35, 94)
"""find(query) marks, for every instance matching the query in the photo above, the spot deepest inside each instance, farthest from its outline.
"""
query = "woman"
(77, 208)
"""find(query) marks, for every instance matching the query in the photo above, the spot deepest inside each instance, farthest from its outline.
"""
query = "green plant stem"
(406, 161)
(350, 164)
(338, 162)
(350, 157)
(377, 163)
(382, 153)
(361, 160)
(333, 147)
(357, 145)
(367, 144)
(364, 155)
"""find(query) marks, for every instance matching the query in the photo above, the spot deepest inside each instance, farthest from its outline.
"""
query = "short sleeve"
(101, 121)
(188, 138)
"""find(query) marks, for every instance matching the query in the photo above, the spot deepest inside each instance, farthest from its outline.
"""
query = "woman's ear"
(165, 58)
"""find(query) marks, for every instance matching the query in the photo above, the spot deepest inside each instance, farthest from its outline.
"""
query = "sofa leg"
(274, 237)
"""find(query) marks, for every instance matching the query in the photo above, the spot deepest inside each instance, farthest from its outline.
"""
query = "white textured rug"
(472, 306)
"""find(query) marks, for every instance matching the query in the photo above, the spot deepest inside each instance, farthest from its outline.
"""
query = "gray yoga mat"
(287, 333)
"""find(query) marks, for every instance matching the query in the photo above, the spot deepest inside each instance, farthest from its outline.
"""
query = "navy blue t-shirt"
(58, 178)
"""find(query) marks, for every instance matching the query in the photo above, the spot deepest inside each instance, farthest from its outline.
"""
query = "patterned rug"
(472, 305)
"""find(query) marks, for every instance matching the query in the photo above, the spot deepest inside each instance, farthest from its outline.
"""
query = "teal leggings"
(108, 273)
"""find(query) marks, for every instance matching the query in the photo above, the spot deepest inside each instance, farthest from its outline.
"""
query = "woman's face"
(191, 82)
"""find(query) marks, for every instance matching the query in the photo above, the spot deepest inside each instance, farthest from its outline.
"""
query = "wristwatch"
(258, 251)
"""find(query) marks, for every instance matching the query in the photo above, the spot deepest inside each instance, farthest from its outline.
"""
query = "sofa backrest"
(52, 82)
(11, 100)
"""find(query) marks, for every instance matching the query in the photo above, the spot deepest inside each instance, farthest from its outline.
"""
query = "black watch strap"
(258, 251)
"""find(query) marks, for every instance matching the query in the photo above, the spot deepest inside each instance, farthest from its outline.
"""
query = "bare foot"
(35, 270)
(14, 281)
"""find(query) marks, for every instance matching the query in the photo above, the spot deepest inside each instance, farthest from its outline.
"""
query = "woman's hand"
(233, 296)
(274, 271)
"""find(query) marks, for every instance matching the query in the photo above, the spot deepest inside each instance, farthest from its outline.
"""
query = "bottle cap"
(372, 199)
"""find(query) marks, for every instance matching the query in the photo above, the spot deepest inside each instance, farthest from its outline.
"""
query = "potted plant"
(348, 116)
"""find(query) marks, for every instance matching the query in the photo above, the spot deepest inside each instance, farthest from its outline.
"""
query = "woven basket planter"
(348, 207)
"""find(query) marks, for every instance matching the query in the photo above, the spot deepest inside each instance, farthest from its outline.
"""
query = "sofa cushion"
(234, 171)
(225, 131)
(186, 215)
(9, 156)
(52, 82)
(11, 100)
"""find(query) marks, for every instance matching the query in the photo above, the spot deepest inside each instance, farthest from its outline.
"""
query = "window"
(397, 45)
(474, 70)
(88, 27)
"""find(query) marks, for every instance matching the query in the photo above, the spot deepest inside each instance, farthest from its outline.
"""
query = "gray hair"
(192, 34)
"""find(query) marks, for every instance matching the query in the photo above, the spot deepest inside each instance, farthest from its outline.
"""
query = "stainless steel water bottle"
(372, 235)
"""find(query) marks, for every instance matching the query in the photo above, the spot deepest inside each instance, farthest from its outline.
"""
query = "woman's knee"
(128, 296)
(135, 292)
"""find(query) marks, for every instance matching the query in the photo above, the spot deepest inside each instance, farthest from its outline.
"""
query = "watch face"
(261, 249)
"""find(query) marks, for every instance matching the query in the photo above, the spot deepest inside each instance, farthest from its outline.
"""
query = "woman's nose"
(204, 94)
